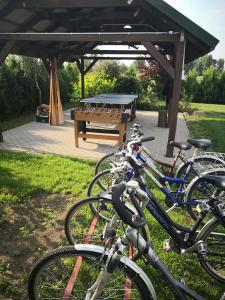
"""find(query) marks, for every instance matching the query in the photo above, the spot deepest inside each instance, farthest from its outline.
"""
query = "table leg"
(122, 132)
(76, 133)
(84, 129)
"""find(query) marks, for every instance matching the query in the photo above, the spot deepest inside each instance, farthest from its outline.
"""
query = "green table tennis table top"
(113, 99)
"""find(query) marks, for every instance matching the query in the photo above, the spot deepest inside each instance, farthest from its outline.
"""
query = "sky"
(209, 14)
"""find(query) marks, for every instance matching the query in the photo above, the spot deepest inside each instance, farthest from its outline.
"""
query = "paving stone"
(42, 138)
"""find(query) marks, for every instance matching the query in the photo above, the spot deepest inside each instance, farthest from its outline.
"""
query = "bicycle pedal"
(167, 246)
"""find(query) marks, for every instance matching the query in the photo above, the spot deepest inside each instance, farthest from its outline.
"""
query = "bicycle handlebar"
(128, 217)
(139, 142)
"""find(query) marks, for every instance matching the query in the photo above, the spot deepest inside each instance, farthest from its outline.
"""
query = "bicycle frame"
(180, 181)
(167, 223)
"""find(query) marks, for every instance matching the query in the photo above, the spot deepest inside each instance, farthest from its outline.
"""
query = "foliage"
(95, 83)
(127, 82)
(148, 99)
(205, 80)
(111, 68)
(24, 83)
(68, 75)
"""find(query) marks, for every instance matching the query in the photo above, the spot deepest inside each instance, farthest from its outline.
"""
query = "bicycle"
(200, 162)
(94, 272)
(157, 211)
(103, 181)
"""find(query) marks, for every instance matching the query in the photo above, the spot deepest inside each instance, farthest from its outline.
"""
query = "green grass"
(23, 174)
(209, 108)
(210, 124)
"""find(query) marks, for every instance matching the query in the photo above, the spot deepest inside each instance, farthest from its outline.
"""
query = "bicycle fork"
(112, 261)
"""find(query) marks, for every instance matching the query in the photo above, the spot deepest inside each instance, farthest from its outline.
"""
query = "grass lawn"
(209, 123)
(35, 193)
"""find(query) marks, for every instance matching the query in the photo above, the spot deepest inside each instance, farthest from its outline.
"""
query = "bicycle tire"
(205, 161)
(80, 220)
(110, 157)
(199, 191)
(99, 166)
(51, 274)
(102, 182)
(213, 235)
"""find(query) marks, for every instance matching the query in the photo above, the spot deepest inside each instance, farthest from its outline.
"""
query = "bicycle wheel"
(68, 273)
(105, 162)
(201, 164)
(103, 181)
(214, 260)
(84, 226)
(199, 191)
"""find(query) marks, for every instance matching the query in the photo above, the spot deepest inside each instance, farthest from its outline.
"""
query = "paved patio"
(42, 138)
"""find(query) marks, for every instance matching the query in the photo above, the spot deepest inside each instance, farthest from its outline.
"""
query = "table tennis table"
(103, 114)
(124, 100)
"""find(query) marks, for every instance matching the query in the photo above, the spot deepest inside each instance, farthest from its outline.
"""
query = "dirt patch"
(27, 231)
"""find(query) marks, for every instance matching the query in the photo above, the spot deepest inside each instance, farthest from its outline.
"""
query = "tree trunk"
(1, 135)
(37, 84)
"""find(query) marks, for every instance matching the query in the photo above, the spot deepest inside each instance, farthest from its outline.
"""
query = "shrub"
(95, 83)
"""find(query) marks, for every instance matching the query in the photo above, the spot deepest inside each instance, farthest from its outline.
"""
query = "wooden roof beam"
(160, 59)
(143, 52)
(94, 36)
(36, 4)
(118, 57)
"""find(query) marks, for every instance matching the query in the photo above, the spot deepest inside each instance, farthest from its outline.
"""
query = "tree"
(111, 68)
(192, 85)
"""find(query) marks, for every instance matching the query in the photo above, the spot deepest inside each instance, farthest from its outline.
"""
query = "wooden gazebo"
(57, 31)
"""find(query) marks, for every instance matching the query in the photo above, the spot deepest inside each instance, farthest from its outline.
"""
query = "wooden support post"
(82, 79)
(174, 101)
(56, 116)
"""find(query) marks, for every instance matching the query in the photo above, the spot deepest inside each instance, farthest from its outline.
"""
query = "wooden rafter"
(112, 52)
(160, 59)
(71, 3)
(94, 61)
(119, 57)
(93, 36)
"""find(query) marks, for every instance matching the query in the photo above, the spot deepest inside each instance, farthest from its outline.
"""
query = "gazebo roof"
(85, 16)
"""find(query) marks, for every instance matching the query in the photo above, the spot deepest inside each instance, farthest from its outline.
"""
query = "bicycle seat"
(218, 181)
(181, 145)
(203, 144)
